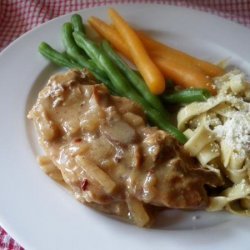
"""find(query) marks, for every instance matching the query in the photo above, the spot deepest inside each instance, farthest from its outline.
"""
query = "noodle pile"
(219, 136)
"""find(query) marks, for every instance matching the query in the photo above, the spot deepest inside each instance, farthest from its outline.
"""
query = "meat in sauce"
(101, 147)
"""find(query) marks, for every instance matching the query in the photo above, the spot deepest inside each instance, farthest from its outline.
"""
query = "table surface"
(18, 17)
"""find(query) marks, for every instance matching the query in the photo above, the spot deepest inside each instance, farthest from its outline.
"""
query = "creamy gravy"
(102, 149)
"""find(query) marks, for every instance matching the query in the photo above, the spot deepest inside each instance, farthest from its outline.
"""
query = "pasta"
(218, 133)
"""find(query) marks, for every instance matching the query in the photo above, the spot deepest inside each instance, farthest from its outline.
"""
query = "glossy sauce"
(109, 157)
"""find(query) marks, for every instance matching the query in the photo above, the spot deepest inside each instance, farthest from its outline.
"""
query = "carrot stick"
(110, 33)
(187, 75)
(151, 74)
(164, 50)
(183, 74)
(153, 47)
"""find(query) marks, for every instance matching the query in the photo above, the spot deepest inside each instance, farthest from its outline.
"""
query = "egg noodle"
(218, 132)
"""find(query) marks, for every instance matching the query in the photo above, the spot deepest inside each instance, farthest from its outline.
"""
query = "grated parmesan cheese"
(236, 132)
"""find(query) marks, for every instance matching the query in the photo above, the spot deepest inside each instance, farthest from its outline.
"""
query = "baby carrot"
(109, 33)
(162, 49)
(185, 75)
(151, 74)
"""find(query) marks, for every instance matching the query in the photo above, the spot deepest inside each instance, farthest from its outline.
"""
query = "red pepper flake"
(77, 140)
(84, 185)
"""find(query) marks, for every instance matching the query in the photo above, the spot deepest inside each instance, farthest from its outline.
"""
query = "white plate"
(41, 215)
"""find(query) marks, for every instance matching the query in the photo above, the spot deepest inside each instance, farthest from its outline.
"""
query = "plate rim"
(13, 44)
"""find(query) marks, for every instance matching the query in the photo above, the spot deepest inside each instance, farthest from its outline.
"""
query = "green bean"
(77, 23)
(187, 96)
(163, 124)
(121, 85)
(76, 53)
(64, 53)
(69, 43)
(62, 59)
(56, 57)
(135, 79)
(72, 49)
(103, 61)
(90, 47)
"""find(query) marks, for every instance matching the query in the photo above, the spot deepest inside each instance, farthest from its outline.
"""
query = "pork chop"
(102, 147)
